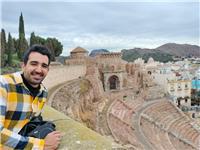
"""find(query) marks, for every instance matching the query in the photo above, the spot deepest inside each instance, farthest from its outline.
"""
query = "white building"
(180, 91)
(162, 75)
(176, 84)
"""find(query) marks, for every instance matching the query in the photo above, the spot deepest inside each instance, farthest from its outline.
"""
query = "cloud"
(97, 41)
(112, 25)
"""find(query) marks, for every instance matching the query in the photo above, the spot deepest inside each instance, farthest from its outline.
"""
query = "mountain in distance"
(98, 51)
(162, 53)
(181, 50)
(132, 54)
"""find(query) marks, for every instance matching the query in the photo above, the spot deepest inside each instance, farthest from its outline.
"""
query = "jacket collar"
(18, 80)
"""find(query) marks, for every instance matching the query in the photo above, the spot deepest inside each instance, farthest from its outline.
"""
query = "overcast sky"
(110, 25)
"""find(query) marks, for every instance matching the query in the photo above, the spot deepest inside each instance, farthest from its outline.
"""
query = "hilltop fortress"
(118, 99)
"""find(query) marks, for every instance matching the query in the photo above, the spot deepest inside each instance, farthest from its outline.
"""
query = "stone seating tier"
(122, 111)
(166, 143)
(119, 117)
(150, 129)
(184, 130)
(168, 119)
(121, 131)
(135, 104)
(178, 144)
(150, 134)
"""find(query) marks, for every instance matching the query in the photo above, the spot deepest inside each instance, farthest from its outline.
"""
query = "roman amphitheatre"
(118, 100)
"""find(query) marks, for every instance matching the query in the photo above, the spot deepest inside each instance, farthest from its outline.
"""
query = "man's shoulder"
(11, 78)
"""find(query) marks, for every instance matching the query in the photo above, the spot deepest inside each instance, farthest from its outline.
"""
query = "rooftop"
(78, 50)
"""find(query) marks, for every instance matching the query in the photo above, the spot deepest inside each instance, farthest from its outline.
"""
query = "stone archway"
(113, 82)
(149, 72)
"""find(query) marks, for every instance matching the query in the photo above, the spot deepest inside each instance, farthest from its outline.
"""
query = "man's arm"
(9, 138)
(16, 141)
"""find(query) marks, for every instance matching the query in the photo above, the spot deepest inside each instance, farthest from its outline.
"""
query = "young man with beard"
(22, 95)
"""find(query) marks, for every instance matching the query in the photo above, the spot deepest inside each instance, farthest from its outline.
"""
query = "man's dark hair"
(37, 48)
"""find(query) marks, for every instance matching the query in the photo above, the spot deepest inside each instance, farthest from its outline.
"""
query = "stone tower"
(112, 69)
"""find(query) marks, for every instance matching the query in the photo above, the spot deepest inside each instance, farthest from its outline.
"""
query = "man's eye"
(45, 66)
(34, 64)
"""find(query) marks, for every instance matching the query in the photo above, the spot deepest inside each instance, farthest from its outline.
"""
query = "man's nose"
(38, 68)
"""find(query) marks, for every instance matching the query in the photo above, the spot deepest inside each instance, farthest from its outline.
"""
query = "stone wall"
(60, 74)
(76, 100)
(75, 135)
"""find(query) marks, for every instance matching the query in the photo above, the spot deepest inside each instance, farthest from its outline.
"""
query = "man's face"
(36, 68)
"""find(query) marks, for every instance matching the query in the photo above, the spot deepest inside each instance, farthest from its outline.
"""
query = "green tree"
(3, 47)
(15, 41)
(32, 39)
(40, 40)
(55, 46)
(36, 39)
(10, 50)
(21, 25)
(49, 44)
(58, 47)
(22, 43)
(52, 43)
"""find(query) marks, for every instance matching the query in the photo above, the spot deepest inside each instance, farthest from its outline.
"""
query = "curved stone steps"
(180, 128)
(119, 117)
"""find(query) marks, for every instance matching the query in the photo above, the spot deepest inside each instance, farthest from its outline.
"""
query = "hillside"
(98, 51)
(162, 53)
(132, 54)
(180, 49)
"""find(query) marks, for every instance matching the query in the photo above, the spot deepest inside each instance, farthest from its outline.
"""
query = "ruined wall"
(93, 75)
(76, 99)
(61, 74)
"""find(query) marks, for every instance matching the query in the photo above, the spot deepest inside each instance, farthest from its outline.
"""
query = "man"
(22, 96)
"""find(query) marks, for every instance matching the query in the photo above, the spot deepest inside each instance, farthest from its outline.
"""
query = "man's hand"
(52, 140)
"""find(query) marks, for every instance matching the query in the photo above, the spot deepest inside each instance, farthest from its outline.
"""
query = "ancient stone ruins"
(119, 100)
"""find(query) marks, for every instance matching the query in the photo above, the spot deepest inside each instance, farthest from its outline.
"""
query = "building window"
(149, 72)
(172, 89)
(179, 87)
(186, 87)
(186, 100)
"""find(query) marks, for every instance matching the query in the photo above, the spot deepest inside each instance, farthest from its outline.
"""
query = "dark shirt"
(34, 91)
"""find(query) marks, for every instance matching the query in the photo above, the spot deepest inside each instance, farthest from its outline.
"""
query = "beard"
(34, 78)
